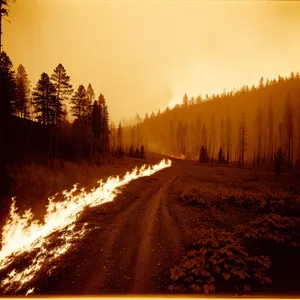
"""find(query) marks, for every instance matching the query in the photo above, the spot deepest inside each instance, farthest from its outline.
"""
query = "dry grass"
(33, 184)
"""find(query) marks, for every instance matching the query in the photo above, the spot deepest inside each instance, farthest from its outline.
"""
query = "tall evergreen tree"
(79, 107)
(104, 122)
(22, 102)
(90, 93)
(185, 101)
(61, 81)
(44, 100)
(7, 86)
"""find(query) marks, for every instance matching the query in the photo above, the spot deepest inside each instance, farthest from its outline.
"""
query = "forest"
(247, 126)
(33, 114)
(251, 126)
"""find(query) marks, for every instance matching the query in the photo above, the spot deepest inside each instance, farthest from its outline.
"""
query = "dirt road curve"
(131, 245)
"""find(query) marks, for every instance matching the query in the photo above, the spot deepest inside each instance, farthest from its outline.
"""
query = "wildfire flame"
(22, 234)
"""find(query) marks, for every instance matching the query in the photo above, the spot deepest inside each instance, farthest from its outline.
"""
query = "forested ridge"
(251, 124)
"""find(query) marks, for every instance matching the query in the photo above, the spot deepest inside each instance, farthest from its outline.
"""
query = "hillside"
(268, 114)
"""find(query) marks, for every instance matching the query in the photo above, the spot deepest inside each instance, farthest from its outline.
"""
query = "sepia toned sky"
(144, 55)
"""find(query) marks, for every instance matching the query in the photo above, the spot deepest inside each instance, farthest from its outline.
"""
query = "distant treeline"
(250, 125)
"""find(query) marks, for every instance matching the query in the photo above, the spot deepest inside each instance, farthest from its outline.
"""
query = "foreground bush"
(272, 228)
(216, 257)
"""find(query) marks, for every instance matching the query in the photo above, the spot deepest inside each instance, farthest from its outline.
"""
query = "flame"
(181, 156)
(23, 235)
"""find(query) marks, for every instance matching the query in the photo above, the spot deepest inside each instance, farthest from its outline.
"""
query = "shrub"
(266, 200)
(196, 196)
(218, 256)
(272, 227)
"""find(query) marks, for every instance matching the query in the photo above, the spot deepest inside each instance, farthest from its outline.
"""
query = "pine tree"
(104, 123)
(44, 98)
(80, 104)
(7, 86)
(91, 97)
(22, 102)
(185, 101)
(64, 89)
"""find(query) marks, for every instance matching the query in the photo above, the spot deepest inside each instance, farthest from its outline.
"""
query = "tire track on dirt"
(145, 267)
(105, 263)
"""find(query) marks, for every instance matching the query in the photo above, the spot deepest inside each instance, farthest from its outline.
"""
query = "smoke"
(144, 55)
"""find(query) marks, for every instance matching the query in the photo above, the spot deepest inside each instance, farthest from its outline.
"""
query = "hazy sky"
(143, 55)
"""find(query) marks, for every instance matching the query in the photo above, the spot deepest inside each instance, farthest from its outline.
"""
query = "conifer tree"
(79, 107)
(185, 101)
(7, 86)
(64, 89)
(44, 98)
(91, 97)
(104, 123)
(22, 102)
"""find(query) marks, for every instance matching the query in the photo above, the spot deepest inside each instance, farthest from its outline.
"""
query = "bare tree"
(270, 127)
(289, 128)
(243, 138)
(259, 133)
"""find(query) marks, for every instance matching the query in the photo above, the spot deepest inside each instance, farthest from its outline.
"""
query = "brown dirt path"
(131, 246)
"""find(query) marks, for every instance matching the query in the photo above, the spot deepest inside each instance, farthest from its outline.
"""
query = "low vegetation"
(242, 258)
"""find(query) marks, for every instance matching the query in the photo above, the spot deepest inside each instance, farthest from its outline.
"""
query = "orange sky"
(143, 55)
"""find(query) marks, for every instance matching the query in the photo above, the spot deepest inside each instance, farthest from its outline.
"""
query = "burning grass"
(26, 237)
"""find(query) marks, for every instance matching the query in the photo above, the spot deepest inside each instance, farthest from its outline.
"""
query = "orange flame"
(23, 234)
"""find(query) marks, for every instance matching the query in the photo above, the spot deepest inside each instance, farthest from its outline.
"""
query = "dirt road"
(130, 247)
(132, 242)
